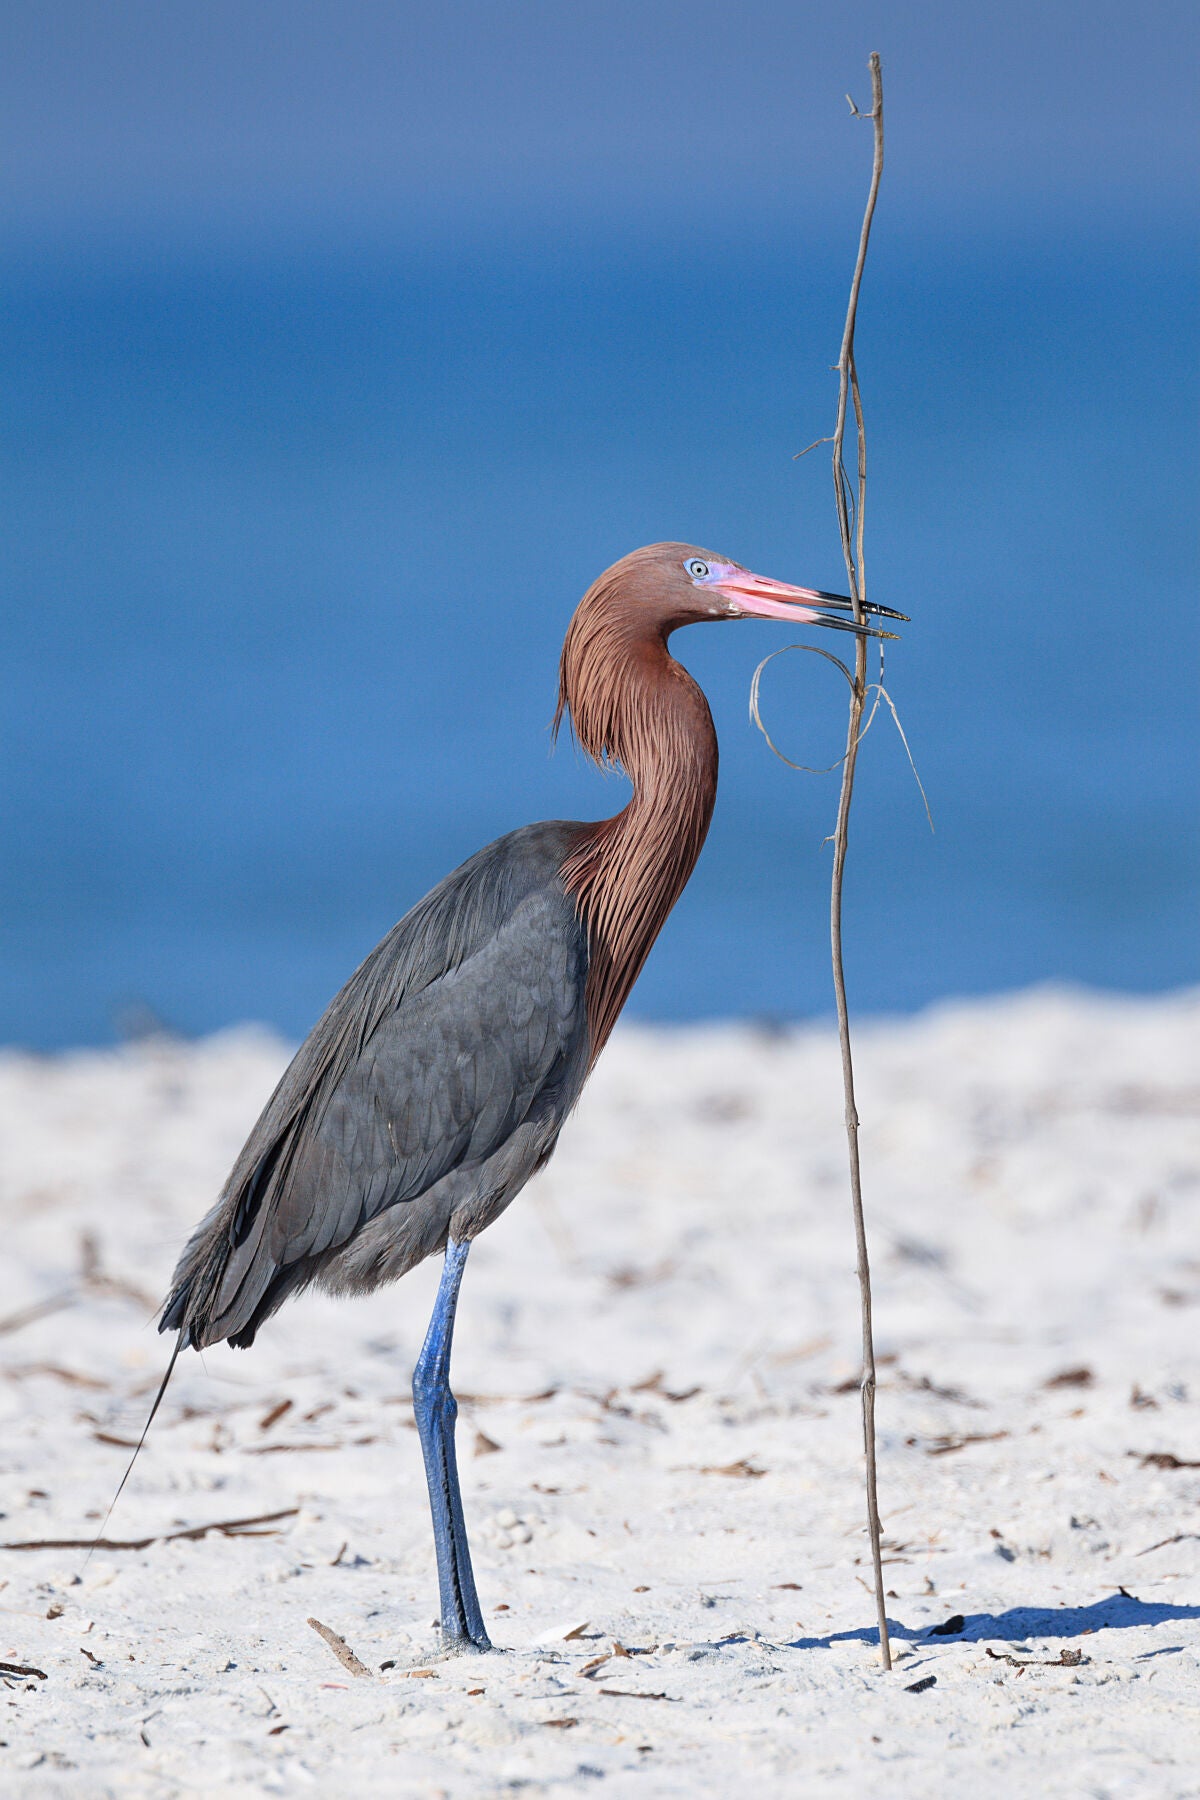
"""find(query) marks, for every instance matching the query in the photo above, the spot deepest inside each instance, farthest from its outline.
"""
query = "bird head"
(624, 619)
(679, 584)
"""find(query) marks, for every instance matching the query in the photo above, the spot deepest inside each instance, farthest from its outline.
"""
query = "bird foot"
(445, 1649)
(462, 1646)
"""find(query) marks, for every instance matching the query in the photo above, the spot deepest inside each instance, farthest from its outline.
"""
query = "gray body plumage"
(433, 1086)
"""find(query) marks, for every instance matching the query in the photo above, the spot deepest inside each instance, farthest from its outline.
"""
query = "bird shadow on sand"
(1117, 1612)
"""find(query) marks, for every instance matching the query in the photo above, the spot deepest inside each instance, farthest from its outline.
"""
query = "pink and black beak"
(757, 597)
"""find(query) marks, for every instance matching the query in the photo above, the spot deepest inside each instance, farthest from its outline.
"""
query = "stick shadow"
(1117, 1612)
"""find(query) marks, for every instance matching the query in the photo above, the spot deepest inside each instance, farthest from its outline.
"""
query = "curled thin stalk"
(875, 687)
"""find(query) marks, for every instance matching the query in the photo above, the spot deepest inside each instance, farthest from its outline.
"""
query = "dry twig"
(851, 507)
(192, 1533)
(342, 1650)
(1179, 1538)
(853, 552)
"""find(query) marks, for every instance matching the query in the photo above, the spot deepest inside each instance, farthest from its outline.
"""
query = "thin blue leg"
(436, 1409)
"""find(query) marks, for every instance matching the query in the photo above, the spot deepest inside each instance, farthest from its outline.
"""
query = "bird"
(438, 1079)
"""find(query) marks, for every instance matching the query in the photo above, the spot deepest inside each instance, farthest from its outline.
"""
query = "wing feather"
(464, 1023)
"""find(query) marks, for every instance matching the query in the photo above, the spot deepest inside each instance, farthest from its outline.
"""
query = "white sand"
(1033, 1179)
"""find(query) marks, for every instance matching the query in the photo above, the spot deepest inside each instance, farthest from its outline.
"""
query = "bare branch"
(852, 550)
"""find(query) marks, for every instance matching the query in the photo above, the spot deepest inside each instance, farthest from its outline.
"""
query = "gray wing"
(414, 1071)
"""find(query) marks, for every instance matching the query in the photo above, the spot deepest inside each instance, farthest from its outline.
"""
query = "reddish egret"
(438, 1080)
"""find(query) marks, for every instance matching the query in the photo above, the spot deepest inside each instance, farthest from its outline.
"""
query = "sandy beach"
(656, 1362)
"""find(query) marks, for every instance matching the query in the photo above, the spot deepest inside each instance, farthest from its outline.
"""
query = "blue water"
(292, 540)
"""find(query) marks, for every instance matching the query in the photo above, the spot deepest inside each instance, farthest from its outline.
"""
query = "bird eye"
(696, 569)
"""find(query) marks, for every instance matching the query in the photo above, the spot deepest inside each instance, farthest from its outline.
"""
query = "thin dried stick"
(193, 1533)
(341, 1649)
(852, 550)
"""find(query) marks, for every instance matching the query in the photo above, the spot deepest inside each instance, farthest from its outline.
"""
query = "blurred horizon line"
(134, 235)
(135, 1022)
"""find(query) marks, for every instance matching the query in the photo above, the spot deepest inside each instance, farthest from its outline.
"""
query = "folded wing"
(461, 1033)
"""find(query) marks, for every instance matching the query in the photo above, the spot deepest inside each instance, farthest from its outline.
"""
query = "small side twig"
(341, 1650)
(853, 552)
(191, 1533)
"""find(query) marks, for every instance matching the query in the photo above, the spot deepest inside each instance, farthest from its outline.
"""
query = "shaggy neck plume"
(633, 705)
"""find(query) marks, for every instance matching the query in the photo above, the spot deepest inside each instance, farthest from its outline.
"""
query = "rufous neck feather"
(633, 705)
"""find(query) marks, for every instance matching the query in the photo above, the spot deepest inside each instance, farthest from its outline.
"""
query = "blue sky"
(282, 115)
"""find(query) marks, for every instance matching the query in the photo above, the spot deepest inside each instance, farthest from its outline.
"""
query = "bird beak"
(756, 597)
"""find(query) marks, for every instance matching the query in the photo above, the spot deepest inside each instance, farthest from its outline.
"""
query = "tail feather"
(228, 1280)
(210, 1300)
